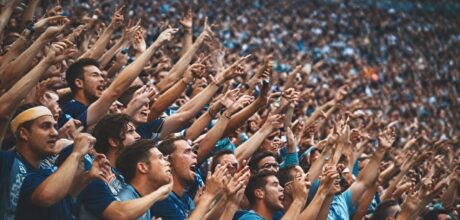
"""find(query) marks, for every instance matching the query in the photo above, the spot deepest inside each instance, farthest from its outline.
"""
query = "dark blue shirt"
(28, 210)
(151, 130)
(13, 170)
(73, 109)
(98, 195)
(174, 207)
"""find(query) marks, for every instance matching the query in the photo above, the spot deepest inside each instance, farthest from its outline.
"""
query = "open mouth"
(281, 198)
(100, 88)
(145, 114)
(193, 167)
(52, 141)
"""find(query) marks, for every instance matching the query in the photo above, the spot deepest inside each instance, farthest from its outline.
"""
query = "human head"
(113, 132)
(182, 157)
(264, 189)
(141, 114)
(85, 77)
(142, 159)
(387, 210)
(264, 160)
(286, 175)
(35, 128)
(225, 157)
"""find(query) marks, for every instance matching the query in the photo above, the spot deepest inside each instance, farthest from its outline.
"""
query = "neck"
(112, 157)
(262, 210)
(29, 156)
(143, 186)
(178, 186)
(80, 97)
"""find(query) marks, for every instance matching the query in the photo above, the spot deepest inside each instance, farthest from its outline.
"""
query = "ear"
(259, 193)
(23, 134)
(78, 83)
(142, 167)
(113, 143)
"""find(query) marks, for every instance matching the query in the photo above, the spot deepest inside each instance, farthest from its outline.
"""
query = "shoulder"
(251, 215)
(128, 193)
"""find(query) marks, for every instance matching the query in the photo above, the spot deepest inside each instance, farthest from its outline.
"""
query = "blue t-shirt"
(27, 210)
(151, 130)
(98, 195)
(74, 108)
(341, 207)
(173, 207)
(251, 215)
(129, 193)
(13, 170)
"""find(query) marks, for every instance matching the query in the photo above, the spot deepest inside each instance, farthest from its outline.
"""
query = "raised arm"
(16, 69)
(187, 23)
(122, 82)
(179, 68)
(172, 94)
(192, 107)
(370, 173)
(211, 138)
(7, 11)
(99, 46)
(11, 100)
(58, 185)
(245, 150)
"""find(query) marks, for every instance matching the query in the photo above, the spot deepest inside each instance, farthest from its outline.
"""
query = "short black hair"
(285, 175)
(382, 210)
(258, 156)
(167, 146)
(256, 181)
(217, 157)
(128, 95)
(131, 155)
(75, 71)
(110, 126)
(28, 124)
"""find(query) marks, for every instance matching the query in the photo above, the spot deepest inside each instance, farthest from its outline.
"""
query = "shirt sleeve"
(291, 160)
(347, 195)
(96, 197)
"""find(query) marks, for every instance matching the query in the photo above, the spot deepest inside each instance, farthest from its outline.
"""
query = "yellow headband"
(29, 115)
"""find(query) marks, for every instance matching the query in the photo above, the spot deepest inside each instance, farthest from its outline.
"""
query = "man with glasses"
(264, 161)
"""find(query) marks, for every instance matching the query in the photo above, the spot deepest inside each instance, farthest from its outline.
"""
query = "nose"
(137, 136)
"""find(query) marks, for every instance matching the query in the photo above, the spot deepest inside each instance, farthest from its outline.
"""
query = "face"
(50, 100)
(93, 82)
(130, 135)
(142, 114)
(183, 161)
(42, 136)
(273, 193)
(159, 170)
(229, 159)
(268, 163)
(393, 212)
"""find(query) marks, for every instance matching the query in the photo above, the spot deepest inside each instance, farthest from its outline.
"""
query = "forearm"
(99, 46)
(107, 56)
(166, 100)
(294, 210)
(364, 202)
(229, 211)
(202, 208)
(245, 150)
(130, 209)
(386, 175)
(57, 186)
(370, 173)
(79, 183)
(317, 113)
(7, 11)
(238, 119)
(202, 122)
(392, 187)
(179, 68)
(449, 196)
(324, 211)
(316, 168)
(211, 138)
(313, 209)
(187, 41)
(16, 69)
(28, 12)
(217, 209)
(15, 50)
(196, 103)
(114, 69)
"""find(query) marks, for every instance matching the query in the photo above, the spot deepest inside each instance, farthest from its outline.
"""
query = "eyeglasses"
(269, 165)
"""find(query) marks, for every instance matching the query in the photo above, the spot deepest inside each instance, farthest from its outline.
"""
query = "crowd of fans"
(228, 110)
